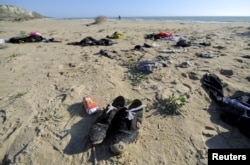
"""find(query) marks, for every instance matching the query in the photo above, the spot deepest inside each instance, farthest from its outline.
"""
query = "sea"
(200, 19)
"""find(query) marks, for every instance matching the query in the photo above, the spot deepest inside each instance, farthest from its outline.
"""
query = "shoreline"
(183, 19)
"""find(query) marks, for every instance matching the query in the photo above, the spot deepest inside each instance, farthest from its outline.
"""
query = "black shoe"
(147, 45)
(129, 122)
(138, 47)
(99, 129)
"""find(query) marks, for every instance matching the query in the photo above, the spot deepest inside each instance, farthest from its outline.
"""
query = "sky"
(129, 8)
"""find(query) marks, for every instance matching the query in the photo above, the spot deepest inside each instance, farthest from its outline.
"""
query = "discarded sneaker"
(129, 122)
(101, 126)
(105, 53)
(138, 47)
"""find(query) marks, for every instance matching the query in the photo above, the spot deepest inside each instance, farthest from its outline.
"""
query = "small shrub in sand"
(16, 54)
(136, 78)
(174, 103)
(22, 33)
(100, 19)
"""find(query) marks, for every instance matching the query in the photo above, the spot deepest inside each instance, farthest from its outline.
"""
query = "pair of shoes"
(102, 124)
(128, 122)
(121, 122)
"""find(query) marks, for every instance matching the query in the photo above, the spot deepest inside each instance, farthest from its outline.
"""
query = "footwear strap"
(110, 108)
(130, 115)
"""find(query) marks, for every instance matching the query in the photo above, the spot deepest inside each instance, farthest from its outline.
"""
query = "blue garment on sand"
(237, 107)
(149, 65)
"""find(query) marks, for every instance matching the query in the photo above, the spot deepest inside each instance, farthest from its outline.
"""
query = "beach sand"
(42, 86)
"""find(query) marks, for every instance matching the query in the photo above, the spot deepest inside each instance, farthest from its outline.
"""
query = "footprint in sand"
(2, 116)
(209, 132)
(212, 139)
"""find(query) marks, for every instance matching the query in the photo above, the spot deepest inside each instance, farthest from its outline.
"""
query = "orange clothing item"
(164, 35)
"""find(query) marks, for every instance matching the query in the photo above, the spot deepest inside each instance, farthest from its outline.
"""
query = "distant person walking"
(119, 17)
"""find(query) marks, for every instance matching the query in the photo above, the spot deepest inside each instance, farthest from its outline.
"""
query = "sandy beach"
(42, 86)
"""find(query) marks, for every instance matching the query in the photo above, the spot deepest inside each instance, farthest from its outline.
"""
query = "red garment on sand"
(164, 35)
(35, 34)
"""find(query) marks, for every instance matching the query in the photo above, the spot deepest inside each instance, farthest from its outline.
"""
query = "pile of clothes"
(185, 43)
(160, 35)
(235, 111)
(32, 37)
(149, 65)
(90, 41)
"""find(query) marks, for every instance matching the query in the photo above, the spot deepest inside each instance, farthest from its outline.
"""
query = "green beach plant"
(16, 54)
(173, 104)
(130, 63)
(20, 94)
(136, 78)
(22, 33)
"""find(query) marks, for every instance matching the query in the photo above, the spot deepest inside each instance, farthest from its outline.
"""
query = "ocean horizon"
(204, 19)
